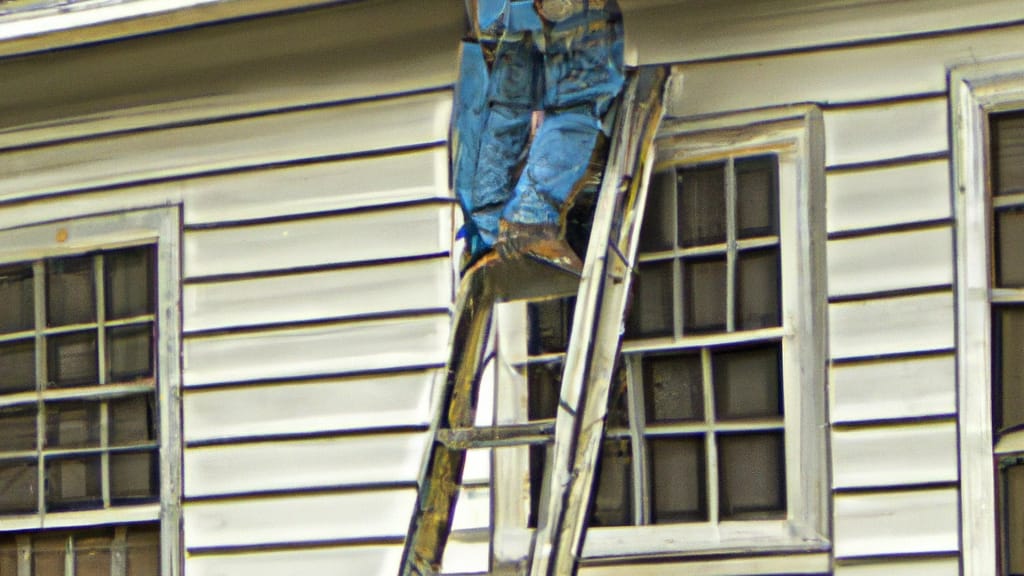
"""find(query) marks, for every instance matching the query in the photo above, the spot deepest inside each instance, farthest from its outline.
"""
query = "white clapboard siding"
(472, 508)
(338, 561)
(331, 405)
(882, 390)
(894, 455)
(316, 350)
(295, 519)
(891, 325)
(843, 75)
(900, 567)
(896, 261)
(358, 237)
(890, 130)
(351, 183)
(466, 554)
(340, 293)
(178, 152)
(768, 565)
(478, 466)
(303, 464)
(901, 522)
(889, 195)
(662, 31)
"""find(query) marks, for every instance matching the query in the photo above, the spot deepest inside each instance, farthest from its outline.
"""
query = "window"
(988, 100)
(713, 437)
(84, 404)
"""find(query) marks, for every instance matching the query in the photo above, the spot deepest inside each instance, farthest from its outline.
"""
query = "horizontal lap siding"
(368, 560)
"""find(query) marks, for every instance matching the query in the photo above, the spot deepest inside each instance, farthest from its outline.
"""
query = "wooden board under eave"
(298, 518)
(896, 522)
(888, 196)
(884, 131)
(948, 566)
(365, 560)
(885, 326)
(816, 564)
(893, 389)
(362, 403)
(894, 455)
(890, 262)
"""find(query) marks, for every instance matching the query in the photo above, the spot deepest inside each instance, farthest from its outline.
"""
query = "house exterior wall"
(307, 153)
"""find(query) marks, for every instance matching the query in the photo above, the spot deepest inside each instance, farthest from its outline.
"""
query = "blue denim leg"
(469, 111)
(583, 63)
(558, 158)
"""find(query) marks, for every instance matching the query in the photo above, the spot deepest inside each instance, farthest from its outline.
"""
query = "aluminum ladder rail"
(593, 347)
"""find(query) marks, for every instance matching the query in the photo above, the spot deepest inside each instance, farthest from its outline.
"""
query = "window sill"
(120, 515)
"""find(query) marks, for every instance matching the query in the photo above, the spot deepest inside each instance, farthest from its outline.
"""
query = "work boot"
(543, 243)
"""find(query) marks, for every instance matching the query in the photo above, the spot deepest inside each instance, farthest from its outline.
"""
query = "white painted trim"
(976, 91)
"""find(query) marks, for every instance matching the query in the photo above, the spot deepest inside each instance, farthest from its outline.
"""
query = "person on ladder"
(562, 57)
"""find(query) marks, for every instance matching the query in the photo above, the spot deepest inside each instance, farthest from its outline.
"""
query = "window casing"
(90, 449)
(686, 421)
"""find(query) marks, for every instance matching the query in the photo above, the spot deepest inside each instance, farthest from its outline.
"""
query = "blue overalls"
(572, 70)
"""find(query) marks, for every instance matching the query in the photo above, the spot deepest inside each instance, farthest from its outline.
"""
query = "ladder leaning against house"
(589, 366)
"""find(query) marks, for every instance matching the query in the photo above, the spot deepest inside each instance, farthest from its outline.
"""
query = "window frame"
(795, 135)
(161, 228)
(976, 92)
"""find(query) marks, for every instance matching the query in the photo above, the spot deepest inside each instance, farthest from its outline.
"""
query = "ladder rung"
(536, 432)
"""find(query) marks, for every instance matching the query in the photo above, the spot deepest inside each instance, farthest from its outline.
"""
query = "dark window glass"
(72, 359)
(756, 197)
(678, 479)
(92, 553)
(747, 382)
(538, 468)
(1013, 519)
(73, 483)
(702, 217)
(1008, 411)
(8, 555)
(757, 289)
(618, 400)
(704, 295)
(70, 291)
(133, 476)
(545, 386)
(48, 555)
(651, 313)
(658, 229)
(673, 387)
(1010, 248)
(1008, 153)
(17, 313)
(129, 286)
(550, 321)
(613, 502)
(751, 476)
(130, 350)
(17, 429)
(143, 551)
(17, 366)
(72, 424)
(131, 420)
(19, 487)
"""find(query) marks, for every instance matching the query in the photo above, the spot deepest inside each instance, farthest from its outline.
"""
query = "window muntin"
(125, 550)
(1006, 148)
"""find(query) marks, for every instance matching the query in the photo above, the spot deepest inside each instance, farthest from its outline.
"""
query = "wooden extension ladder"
(590, 360)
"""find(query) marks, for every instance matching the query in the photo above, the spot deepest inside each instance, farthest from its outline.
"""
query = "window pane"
(129, 285)
(73, 483)
(1008, 411)
(72, 359)
(17, 366)
(72, 424)
(704, 295)
(70, 291)
(756, 197)
(144, 551)
(550, 322)
(702, 205)
(545, 386)
(618, 397)
(48, 555)
(752, 482)
(1008, 152)
(16, 313)
(131, 352)
(757, 286)
(658, 229)
(131, 420)
(538, 468)
(133, 476)
(18, 426)
(1013, 518)
(1009, 240)
(613, 501)
(8, 555)
(20, 482)
(673, 388)
(678, 480)
(651, 307)
(92, 554)
(747, 382)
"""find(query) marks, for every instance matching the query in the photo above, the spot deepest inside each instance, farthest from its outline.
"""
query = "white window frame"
(975, 92)
(795, 135)
(159, 227)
